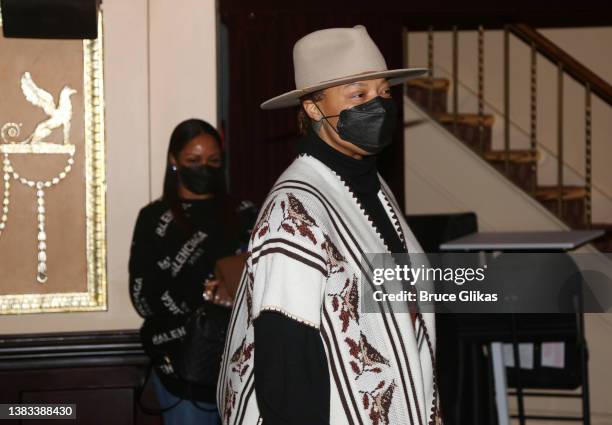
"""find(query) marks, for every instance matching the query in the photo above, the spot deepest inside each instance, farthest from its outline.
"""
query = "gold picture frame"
(92, 188)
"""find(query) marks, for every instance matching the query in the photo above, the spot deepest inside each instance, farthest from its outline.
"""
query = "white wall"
(444, 176)
(183, 71)
(591, 46)
(587, 45)
(159, 69)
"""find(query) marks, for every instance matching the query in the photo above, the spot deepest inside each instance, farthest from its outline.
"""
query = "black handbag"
(198, 360)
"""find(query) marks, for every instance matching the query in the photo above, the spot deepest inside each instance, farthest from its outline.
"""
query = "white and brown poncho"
(305, 262)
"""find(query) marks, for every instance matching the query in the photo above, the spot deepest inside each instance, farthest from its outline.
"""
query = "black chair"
(465, 376)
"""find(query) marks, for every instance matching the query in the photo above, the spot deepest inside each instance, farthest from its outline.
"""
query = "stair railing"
(592, 83)
(566, 65)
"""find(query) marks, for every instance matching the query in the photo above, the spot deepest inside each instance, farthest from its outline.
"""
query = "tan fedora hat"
(336, 56)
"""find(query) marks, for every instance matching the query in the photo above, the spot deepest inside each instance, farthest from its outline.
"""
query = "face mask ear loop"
(325, 118)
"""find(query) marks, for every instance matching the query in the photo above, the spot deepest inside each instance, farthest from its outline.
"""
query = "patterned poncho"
(305, 261)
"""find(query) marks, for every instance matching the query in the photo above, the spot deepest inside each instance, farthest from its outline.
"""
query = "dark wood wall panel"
(95, 407)
(99, 372)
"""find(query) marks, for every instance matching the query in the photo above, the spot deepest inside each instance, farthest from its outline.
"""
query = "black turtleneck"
(361, 176)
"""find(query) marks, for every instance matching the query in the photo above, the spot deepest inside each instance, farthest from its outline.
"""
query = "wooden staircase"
(431, 94)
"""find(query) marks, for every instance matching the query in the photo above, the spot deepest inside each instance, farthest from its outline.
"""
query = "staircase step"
(468, 129)
(573, 207)
(468, 119)
(429, 93)
(570, 193)
(521, 168)
(515, 155)
(429, 83)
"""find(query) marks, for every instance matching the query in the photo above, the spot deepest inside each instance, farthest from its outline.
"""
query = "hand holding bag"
(199, 359)
(229, 271)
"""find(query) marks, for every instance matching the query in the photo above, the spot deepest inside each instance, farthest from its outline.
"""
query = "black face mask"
(369, 126)
(202, 179)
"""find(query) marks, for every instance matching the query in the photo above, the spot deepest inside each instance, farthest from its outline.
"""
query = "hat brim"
(393, 76)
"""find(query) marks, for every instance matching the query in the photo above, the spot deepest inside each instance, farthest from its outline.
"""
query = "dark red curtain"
(261, 143)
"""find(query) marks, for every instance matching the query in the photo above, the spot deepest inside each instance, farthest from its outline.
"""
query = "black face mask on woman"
(368, 126)
(202, 179)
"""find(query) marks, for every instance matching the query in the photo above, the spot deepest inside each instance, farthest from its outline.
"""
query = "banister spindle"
(560, 139)
(533, 143)
(587, 157)
(430, 65)
(455, 78)
(506, 100)
(481, 89)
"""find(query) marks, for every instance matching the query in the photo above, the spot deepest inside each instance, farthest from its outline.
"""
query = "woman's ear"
(311, 110)
(172, 160)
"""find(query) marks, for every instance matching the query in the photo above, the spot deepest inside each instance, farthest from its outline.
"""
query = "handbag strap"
(140, 391)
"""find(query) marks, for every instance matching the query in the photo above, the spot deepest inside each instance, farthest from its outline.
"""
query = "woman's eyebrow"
(356, 83)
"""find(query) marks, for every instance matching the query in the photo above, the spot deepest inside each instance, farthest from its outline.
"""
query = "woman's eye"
(357, 95)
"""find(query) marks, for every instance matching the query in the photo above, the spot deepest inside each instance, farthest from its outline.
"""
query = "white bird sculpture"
(59, 115)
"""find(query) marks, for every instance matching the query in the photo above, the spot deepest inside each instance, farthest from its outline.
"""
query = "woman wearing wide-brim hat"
(299, 350)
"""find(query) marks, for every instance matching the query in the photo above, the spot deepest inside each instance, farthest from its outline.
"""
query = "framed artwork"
(52, 176)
